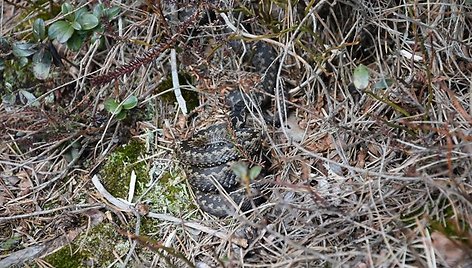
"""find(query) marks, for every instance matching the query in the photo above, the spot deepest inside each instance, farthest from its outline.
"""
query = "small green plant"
(42, 54)
(73, 30)
(361, 79)
(78, 25)
(120, 110)
(246, 174)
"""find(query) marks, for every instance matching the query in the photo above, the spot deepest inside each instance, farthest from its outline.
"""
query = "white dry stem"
(132, 186)
(175, 82)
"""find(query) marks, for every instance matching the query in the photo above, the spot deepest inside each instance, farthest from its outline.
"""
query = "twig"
(175, 82)
(238, 241)
(44, 212)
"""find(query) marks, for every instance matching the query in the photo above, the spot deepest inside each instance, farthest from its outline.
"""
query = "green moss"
(96, 246)
(169, 194)
(190, 97)
(67, 257)
(101, 242)
(450, 223)
(117, 170)
(447, 222)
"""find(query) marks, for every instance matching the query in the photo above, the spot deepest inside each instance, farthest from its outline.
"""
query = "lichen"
(170, 195)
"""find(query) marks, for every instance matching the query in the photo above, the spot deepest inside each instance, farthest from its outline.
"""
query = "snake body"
(209, 156)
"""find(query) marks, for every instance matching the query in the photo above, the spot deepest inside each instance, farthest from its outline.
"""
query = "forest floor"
(371, 165)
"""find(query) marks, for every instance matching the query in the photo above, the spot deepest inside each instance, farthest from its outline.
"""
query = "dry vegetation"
(380, 177)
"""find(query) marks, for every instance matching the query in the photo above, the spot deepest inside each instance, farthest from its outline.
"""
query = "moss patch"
(190, 97)
(102, 242)
(117, 171)
(169, 193)
(67, 257)
(95, 247)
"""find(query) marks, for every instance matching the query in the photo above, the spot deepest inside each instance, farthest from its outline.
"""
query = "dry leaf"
(374, 149)
(450, 251)
(25, 183)
(293, 129)
(361, 158)
(305, 171)
(321, 145)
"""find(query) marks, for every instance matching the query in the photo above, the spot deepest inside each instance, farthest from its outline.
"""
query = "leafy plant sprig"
(76, 27)
(120, 110)
(361, 80)
(245, 173)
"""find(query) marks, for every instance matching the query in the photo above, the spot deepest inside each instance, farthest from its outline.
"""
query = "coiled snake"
(209, 155)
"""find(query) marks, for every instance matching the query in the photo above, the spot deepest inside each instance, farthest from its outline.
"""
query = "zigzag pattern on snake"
(209, 155)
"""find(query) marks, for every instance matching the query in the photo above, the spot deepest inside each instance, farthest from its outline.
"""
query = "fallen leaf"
(305, 171)
(361, 156)
(293, 129)
(25, 183)
(450, 251)
(321, 144)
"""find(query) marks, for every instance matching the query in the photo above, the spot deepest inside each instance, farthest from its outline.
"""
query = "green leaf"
(130, 102)
(383, 84)
(76, 25)
(88, 21)
(66, 8)
(75, 42)
(30, 98)
(98, 10)
(23, 49)
(42, 64)
(361, 77)
(8, 86)
(61, 31)
(23, 62)
(39, 29)
(112, 12)
(121, 115)
(79, 13)
(240, 169)
(9, 99)
(75, 153)
(4, 42)
(254, 172)
(112, 106)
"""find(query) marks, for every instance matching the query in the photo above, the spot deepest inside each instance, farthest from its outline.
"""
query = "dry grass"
(375, 178)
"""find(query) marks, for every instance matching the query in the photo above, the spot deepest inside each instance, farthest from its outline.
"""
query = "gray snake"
(209, 155)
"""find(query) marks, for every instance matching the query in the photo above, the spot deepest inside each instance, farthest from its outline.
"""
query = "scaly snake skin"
(209, 155)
